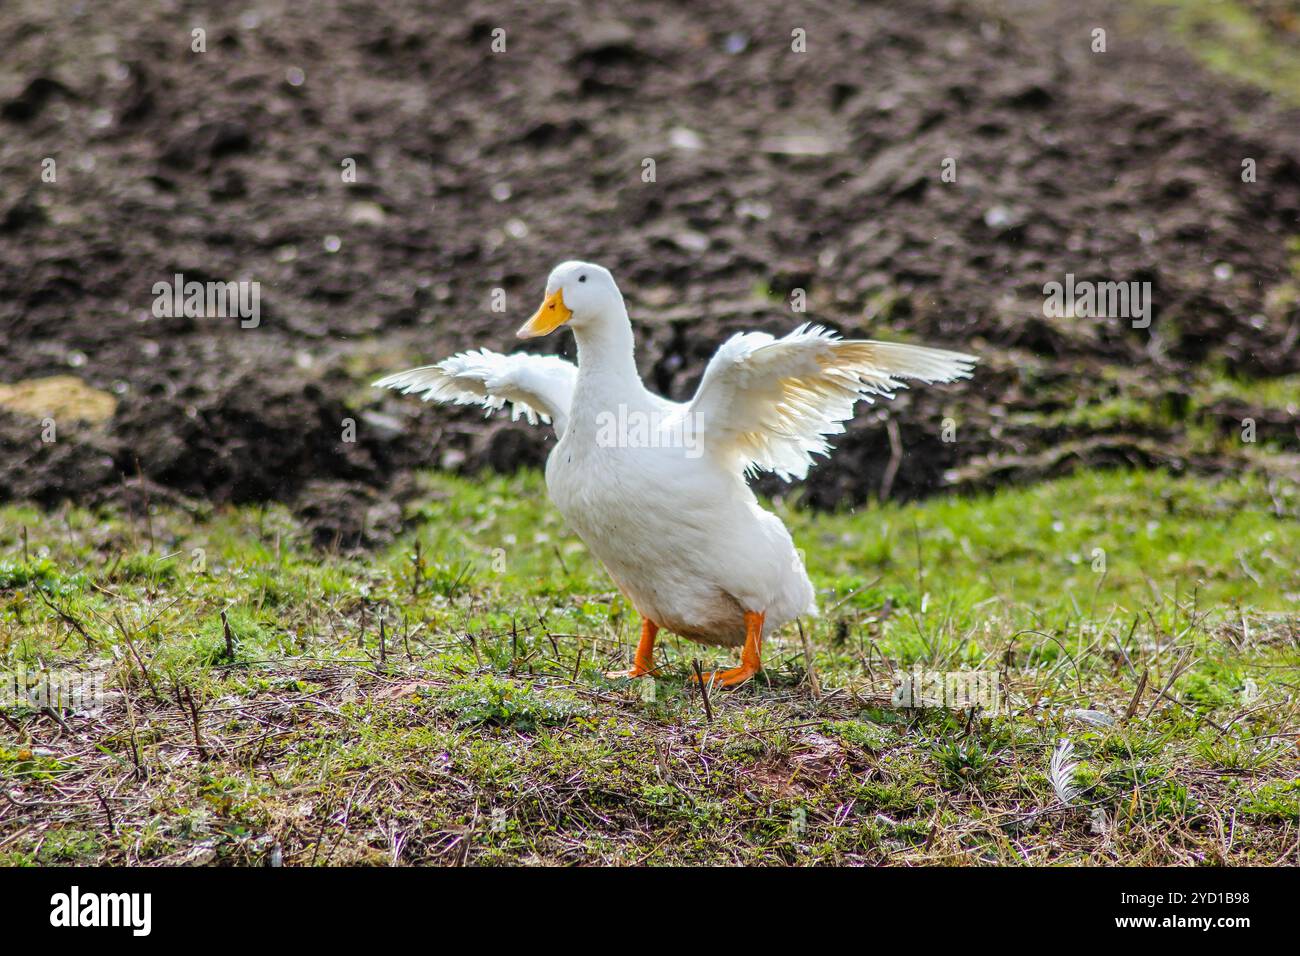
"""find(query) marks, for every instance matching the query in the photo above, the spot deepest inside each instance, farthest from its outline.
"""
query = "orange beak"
(553, 314)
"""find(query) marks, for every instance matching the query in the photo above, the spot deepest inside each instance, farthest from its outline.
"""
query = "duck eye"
(582, 278)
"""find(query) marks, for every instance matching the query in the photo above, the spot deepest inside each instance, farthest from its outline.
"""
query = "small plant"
(17, 574)
(964, 763)
(1277, 801)
(1173, 800)
(28, 764)
(237, 639)
(493, 702)
(449, 580)
(1210, 689)
(147, 568)
(70, 846)
(1233, 753)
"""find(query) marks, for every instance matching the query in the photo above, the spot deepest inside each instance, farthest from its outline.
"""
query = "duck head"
(579, 294)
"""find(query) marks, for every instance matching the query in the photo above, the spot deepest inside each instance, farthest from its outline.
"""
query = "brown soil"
(774, 171)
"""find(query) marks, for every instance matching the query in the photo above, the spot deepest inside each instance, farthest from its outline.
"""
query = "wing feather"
(768, 404)
(536, 386)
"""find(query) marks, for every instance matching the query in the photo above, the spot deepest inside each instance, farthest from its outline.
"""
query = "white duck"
(657, 489)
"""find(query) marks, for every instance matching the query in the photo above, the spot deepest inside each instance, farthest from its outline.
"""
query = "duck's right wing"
(534, 385)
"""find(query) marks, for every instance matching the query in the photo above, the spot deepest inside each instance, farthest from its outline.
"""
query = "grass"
(1229, 37)
(1152, 620)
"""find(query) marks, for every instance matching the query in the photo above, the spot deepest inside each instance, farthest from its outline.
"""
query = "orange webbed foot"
(750, 657)
(644, 663)
(728, 678)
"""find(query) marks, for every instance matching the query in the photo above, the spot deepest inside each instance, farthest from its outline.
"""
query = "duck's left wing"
(768, 403)
(534, 385)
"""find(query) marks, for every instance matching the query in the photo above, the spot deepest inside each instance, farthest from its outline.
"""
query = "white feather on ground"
(769, 403)
(534, 385)
(1061, 771)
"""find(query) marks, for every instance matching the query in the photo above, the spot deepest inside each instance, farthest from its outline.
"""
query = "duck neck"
(606, 350)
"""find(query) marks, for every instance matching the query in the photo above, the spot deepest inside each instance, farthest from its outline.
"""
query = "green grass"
(482, 728)
(1280, 393)
(1231, 39)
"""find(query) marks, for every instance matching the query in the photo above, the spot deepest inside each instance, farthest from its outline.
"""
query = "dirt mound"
(475, 170)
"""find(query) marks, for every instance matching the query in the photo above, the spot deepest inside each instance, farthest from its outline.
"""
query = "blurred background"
(774, 170)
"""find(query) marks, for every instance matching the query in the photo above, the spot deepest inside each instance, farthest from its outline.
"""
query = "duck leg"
(644, 662)
(750, 662)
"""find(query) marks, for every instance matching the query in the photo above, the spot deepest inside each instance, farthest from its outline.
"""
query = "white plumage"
(534, 385)
(657, 489)
(772, 402)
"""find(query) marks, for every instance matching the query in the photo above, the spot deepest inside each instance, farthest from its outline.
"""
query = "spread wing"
(767, 403)
(536, 386)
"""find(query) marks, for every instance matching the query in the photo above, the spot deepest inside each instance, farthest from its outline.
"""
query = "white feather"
(769, 403)
(1062, 769)
(534, 385)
